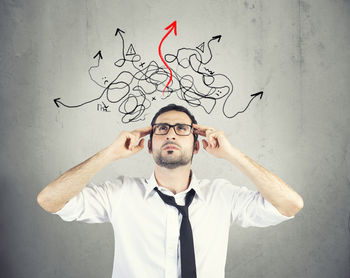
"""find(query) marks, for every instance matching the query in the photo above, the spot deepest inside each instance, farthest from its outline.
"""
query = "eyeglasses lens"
(180, 129)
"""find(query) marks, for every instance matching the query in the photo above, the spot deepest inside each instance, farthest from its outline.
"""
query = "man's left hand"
(216, 142)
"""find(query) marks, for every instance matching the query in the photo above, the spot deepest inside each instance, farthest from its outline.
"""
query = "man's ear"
(149, 146)
(196, 147)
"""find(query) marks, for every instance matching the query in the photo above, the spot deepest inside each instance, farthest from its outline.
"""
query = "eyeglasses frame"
(173, 126)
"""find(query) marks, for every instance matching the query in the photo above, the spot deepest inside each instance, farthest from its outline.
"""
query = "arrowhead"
(118, 30)
(99, 54)
(257, 94)
(217, 38)
(172, 26)
(56, 101)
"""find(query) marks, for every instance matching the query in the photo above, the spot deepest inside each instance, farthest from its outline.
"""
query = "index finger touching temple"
(201, 129)
(144, 131)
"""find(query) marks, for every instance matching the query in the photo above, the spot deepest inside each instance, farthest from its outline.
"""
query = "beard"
(169, 160)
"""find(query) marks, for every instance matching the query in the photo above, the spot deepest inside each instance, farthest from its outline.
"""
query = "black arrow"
(252, 95)
(118, 30)
(218, 37)
(120, 62)
(105, 105)
(256, 94)
(99, 54)
(56, 100)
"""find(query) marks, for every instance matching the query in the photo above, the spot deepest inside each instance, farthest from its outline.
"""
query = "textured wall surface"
(297, 52)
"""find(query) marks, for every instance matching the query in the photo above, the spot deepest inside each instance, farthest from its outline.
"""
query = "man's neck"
(176, 180)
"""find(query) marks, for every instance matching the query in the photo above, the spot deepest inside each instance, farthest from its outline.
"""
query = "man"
(185, 235)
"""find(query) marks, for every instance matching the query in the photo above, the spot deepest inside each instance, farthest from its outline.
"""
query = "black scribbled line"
(208, 70)
(133, 89)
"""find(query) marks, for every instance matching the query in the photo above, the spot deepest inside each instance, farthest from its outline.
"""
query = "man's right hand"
(128, 143)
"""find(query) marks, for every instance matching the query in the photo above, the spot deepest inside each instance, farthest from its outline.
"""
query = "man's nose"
(171, 133)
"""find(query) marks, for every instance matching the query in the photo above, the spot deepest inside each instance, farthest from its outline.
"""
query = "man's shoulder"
(115, 187)
(217, 182)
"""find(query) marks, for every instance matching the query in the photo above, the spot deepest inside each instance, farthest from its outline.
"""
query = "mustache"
(171, 143)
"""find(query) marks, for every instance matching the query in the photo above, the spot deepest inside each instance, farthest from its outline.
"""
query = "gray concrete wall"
(297, 52)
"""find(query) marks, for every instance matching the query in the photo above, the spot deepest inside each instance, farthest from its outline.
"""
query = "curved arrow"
(218, 38)
(171, 27)
(99, 57)
(116, 63)
(260, 94)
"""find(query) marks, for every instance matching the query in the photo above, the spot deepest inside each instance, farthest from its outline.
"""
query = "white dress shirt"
(146, 230)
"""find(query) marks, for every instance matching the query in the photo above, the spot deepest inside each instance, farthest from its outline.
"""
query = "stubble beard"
(172, 162)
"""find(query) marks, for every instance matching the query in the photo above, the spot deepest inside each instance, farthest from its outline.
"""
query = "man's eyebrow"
(174, 124)
(161, 123)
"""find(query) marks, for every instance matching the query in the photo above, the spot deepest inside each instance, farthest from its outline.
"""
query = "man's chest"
(151, 223)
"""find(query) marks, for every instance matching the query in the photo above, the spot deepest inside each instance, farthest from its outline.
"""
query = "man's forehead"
(172, 117)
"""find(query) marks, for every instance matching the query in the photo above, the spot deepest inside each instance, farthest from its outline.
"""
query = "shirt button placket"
(172, 241)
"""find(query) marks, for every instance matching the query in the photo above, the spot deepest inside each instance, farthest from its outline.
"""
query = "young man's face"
(172, 150)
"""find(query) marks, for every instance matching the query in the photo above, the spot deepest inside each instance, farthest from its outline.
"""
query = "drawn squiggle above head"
(132, 84)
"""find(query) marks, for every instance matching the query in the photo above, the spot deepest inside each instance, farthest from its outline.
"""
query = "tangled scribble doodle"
(137, 84)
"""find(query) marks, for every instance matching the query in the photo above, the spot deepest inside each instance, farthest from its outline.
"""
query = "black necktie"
(188, 262)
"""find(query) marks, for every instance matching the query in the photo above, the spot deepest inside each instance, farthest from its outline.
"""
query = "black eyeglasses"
(180, 129)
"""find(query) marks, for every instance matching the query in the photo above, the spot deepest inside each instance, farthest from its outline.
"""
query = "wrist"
(233, 154)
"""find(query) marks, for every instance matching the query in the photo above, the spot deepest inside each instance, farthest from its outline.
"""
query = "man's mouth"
(170, 147)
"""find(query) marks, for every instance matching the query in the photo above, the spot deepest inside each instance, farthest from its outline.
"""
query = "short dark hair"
(175, 107)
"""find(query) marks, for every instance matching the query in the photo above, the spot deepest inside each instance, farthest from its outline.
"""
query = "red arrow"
(171, 27)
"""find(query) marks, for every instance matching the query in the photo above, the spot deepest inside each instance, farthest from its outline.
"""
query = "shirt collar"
(151, 183)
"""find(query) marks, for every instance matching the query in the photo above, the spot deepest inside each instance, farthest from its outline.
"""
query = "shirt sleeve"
(250, 208)
(93, 203)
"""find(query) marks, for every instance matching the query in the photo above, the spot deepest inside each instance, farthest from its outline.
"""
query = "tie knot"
(170, 200)
(183, 210)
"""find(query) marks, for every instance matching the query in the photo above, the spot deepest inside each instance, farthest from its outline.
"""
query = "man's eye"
(182, 127)
(162, 127)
